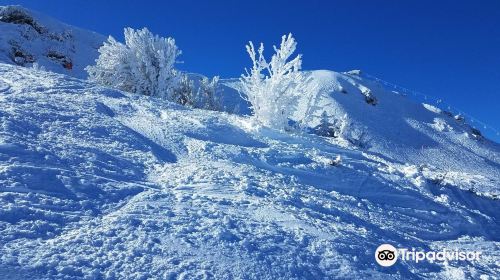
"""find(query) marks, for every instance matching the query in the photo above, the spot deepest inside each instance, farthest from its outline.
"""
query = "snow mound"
(34, 40)
(100, 184)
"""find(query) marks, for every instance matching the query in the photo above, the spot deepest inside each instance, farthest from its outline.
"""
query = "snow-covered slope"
(28, 37)
(393, 125)
(101, 184)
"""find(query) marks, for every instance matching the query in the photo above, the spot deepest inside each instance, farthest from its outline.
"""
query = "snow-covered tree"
(144, 64)
(207, 93)
(204, 97)
(326, 127)
(332, 127)
(274, 88)
(184, 92)
(341, 125)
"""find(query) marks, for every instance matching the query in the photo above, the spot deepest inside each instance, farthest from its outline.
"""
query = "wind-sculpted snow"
(101, 184)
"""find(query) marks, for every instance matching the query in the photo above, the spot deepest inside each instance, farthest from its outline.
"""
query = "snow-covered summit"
(28, 37)
(389, 123)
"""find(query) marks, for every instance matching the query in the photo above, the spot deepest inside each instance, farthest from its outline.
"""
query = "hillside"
(97, 183)
(394, 126)
(100, 182)
(29, 38)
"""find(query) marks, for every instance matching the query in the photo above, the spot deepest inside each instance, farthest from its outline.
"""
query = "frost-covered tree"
(274, 88)
(326, 127)
(203, 97)
(144, 64)
(207, 93)
(184, 92)
(332, 127)
(341, 125)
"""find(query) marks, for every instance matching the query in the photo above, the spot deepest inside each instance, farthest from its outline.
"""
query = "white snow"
(48, 45)
(400, 128)
(96, 183)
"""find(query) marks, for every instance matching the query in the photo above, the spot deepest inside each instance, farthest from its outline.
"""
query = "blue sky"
(448, 49)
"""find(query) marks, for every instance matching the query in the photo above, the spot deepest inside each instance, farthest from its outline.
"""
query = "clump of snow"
(441, 125)
(432, 108)
(354, 72)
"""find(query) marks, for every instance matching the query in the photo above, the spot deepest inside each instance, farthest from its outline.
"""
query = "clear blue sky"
(449, 49)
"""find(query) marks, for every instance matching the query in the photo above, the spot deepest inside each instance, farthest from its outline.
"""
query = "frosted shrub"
(273, 89)
(332, 127)
(207, 93)
(183, 93)
(342, 127)
(144, 64)
(326, 127)
(357, 136)
(204, 97)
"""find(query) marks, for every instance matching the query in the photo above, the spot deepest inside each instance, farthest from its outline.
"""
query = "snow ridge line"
(437, 101)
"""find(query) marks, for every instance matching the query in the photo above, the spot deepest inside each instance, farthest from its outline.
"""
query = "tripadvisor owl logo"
(386, 255)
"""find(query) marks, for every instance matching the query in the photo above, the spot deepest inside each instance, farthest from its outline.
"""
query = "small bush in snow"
(17, 15)
(273, 88)
(369, 97)
(207, 93)
(183, 93)
(357, 136)
(204, 97)
(342, 128)
(144, 64)
(331, 127)
(476, 133)
(459, 118)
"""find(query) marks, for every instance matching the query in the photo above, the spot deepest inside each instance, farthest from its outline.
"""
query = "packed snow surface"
(100, 184)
